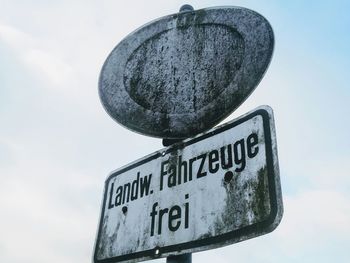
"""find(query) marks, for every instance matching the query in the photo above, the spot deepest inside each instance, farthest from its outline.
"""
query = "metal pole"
(185, 258)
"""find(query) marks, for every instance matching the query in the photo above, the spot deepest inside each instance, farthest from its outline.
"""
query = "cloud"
(6, 155)
(48, 210)
(321, 213)
(45, 64)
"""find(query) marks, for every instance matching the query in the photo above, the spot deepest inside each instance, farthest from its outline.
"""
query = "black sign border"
(253, 230)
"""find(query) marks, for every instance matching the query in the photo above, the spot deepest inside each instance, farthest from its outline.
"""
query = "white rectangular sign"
(215, 189)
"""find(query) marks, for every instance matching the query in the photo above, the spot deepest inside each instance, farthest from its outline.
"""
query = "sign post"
(185, 258)
(176, 78)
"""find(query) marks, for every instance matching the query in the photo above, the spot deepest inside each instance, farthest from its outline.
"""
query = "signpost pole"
(185, 258)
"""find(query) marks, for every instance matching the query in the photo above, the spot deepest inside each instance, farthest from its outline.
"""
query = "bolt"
(157, 252)
(228, 176)
(186, 8)
(124, 209)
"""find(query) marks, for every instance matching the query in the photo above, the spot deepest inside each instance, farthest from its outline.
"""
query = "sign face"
(215, 189)
(182, 74)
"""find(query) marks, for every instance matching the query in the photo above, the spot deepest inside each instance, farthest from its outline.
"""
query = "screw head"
(186, 8)
(157, 252)
(124, 209)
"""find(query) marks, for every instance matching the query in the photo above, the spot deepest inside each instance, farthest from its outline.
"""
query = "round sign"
(182, 74)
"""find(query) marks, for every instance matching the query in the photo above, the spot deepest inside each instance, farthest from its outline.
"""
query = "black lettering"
(200, 173)
(229, 163)
(118, 198)
(153, 215)
(135, 188)
(161, 213)
(173, 217)
(190, 162)
(252, 141)
(110, 204)
(126, 196)
(182, 164)
(172, 176)
(239, 152)
(186, 211)
(213, 157)
(144, 185)
(163, 172)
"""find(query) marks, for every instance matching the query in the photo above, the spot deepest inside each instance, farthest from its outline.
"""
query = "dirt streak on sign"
(218, 188)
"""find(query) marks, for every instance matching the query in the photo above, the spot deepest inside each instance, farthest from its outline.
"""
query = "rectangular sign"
(215, 189)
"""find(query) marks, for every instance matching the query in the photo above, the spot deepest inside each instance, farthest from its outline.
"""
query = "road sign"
(182, 74)
(218, 188)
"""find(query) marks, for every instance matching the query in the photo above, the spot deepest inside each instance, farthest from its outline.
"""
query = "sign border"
(254, 230)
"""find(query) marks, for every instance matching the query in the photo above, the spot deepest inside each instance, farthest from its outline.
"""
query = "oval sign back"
(182, 74)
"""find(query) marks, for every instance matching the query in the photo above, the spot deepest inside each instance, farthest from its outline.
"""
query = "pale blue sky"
(57, 145)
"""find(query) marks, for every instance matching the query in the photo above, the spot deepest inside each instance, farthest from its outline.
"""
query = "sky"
(57, 144)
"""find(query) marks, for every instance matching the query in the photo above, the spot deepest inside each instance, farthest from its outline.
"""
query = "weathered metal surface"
(216, 189)
(183, 73)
